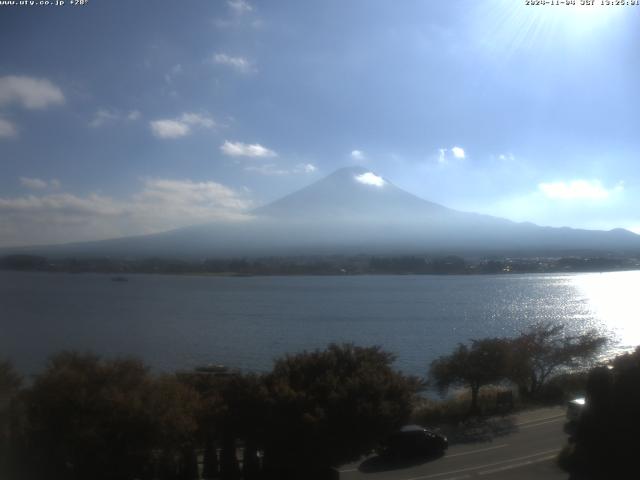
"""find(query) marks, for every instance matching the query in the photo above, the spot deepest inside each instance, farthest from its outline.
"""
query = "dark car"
(414, 441)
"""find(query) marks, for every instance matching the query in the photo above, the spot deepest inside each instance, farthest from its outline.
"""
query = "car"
(575, 408)
(414, 441)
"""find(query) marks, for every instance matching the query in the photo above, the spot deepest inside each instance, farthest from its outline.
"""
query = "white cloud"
(169, 128)
(239, 6)
(33, 183)
(239, 149)
(63, 203)
(197, 119)
(445, 154)
(506, 157)
(239, 17)
(442, 155)
(160, 205)
(240, 64)
(577, 204)
(173, 73)
(578, 189)
(39, 184)
(181, 126)
(358, 155)
(102, 117)
(7, 129)
(237, 22)
(105, 117)
(458, 152)
(205, 200)
(271, 169)
(31, 93)
(370, 178)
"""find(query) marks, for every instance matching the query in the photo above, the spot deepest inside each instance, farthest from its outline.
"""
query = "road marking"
(562, 415)
(517, 465)
(522, 425)
(476, 451)
(540, 423)
(448, 456)
(479, 467)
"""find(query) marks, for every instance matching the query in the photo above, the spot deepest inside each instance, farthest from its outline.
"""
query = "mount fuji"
(352, 211)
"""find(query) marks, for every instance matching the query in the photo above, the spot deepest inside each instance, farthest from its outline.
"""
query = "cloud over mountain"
(161, 204)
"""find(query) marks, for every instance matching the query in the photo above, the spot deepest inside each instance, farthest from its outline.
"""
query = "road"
(524, 447)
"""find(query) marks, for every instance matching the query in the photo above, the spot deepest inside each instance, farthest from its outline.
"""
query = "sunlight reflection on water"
(612, 301)
(184, 321)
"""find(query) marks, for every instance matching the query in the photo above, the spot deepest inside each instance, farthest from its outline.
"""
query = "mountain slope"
(351, 193)
(356, 211)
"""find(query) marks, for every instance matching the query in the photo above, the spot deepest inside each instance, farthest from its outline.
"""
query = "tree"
(328, 407)
(606, 435)
(209, 417)
(233, 407)
(482, 363)
(10, 382)
(544, 349)
(246, 400)
(91, 418)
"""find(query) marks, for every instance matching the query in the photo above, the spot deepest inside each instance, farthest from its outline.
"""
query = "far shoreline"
(326, 265)
(125, 275)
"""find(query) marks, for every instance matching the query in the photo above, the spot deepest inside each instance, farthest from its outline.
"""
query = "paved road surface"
(524, 448)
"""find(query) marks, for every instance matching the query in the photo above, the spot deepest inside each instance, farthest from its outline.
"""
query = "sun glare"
(516, 25)
(586, 15)
(611, 298)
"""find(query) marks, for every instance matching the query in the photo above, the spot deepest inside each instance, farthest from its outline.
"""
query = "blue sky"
(120, 118)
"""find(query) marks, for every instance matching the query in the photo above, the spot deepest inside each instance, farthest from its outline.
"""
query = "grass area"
(454, 409)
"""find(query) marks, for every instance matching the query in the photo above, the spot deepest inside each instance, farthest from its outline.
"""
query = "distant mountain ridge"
(351, 211)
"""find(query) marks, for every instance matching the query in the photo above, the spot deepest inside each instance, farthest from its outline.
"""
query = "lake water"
(175, 322)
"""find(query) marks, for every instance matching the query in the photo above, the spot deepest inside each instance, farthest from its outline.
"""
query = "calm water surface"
(182, 321)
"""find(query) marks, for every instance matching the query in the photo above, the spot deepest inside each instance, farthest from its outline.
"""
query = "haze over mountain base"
(355, 211)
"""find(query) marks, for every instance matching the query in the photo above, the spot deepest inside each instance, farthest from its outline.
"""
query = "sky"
(124, 118)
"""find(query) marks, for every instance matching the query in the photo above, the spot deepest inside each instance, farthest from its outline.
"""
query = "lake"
(176, 322)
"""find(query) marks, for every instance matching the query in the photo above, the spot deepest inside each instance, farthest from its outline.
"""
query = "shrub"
(91, 418)
(331, 406)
